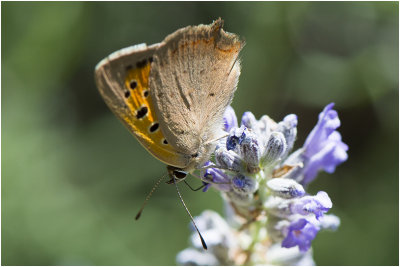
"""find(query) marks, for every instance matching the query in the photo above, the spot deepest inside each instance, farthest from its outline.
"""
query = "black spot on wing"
(154, 127)
(142, 112)
(133, 84)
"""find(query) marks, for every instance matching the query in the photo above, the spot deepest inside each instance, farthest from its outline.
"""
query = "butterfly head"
(176, 174)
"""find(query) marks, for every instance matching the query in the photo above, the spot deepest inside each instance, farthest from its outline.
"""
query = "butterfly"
(172, 95)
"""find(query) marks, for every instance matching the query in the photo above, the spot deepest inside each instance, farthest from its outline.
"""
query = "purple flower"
(318, 204)
(244, 185)
(249, 120)
(300, 233)
(230, 120)
(323, 149)
(236, 136)
(253, 168)
(217, 178)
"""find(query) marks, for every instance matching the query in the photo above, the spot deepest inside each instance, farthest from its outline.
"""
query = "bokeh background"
(73, 177)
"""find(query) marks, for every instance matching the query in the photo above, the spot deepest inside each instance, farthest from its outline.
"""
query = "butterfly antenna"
(148, 196)
(216, 139)
(187, 210)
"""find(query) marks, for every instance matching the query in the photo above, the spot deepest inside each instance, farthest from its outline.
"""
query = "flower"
(236, 137)
(269, 216)
(220, 241)
(230, 119)
(323, 148)
(217, 178)
(318, 205)
(300, 233)
(244, 185)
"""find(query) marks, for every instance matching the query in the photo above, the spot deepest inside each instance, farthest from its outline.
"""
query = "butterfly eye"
(179, 174)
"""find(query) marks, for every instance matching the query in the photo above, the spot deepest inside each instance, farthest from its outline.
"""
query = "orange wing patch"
(142, 118)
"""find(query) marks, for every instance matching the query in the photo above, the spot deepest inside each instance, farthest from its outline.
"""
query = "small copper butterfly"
(172, 95)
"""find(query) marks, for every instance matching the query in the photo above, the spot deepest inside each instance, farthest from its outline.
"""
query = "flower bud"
(250, 152)
(244, 185)
(289, 129)
(275, 148)
(248, 120)
(286, 188)
(227, 159)
(236, 136)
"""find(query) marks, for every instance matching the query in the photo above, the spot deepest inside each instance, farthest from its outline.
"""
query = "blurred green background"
(73, 177)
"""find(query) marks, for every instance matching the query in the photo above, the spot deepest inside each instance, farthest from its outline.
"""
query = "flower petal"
(323, 149)
(230, 119)
(300, 233)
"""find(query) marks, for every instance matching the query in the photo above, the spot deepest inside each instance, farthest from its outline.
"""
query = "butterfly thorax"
(200, 156)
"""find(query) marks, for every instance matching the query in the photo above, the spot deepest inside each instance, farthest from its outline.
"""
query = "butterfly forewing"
(123, 81)
(193, 79)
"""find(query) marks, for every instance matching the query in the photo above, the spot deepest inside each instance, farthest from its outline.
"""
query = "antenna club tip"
(203, 242)
(138, 216)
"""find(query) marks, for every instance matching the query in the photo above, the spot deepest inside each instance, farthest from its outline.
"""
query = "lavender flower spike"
(269, 217)
(324, 149)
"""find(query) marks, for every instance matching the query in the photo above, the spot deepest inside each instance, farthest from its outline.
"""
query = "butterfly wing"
(193, 78)
(123, 81)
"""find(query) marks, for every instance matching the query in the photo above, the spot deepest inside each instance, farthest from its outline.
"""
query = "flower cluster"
(270, 218)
